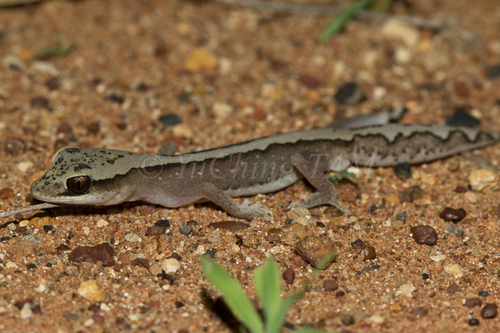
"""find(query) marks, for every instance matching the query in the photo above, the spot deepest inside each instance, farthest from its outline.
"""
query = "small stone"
(400, 217)
(453, 288)
(397, 225)
(163, 223)
(26, 311)
(24, 166)
(453, 215)
(39, 102)
(185, 229)
(30, 238)
(410, 194)
(424, 234)
(288, 275)
(274, 235)
(89, 290)
(420, 312)
(453, 229)
(428, 178)
(454, 270)
(332, 212)
(473, 302)
(406, 290)
(349, 94)
(170, 265)
(132, 238)
(222, 110)
(316, 249)
(482, 293)
(200, 59)
(403, 171)
(396, 29)
(369, 253)
(52, 83)
(48, 228)
(462, 118)
(72, 270)
(229, 225)
(101, 223)
(376, 319)
(492, 71)
(39, 222)
(483, 180)
(330, 285)
(170, 119)
(473, 322)
(358, 244)
(297, 212)
(489, 311)
(300, 231)
(45, 67)
(348, 320)
(102, 252)
(6, 193)
(13, 62)
(392, 199)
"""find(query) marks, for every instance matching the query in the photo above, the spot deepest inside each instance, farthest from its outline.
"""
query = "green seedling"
(349, 13)
(337, 178)
(268, 286)
(57, 50)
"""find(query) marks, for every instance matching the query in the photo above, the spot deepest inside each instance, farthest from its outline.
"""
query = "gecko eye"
(79, 184)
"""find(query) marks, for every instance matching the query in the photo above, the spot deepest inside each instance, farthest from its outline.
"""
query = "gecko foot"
(316, 199)
(256, 210)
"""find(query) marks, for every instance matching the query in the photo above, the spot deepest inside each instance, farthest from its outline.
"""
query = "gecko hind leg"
(245, 211)
(326, 192)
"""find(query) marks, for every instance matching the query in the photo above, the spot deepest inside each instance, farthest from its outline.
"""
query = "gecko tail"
(28, 209)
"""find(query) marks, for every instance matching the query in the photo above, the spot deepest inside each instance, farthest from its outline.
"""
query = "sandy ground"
(226, 73)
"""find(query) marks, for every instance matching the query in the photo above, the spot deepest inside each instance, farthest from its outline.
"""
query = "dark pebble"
(52, 83)
(460, 189)
(400, 217)
(320, 224)
(142, 87)
(348, 320)
(163, 223)
(14, 146)
(373, 208)
(94, 127)
(473, 302)
(473, 322)
(170, 119)
(410, 194)
(403, 171)
(31, 266)
(274, 235)
(453, 215)
(39, 102)
(369, 253)
(155, 230)
(330, 285)
(141, 262)
(179, 304)
(176, 256)
(211, 253)
(425, 276)
(349, 94)
(482, 293)
(424, 234)
(489, 311)
(6, 193)
(339, 294)
(62, 248)
(288, 325)
(229, 225)
(319, 252)
(102, 252)
(309, 81)
(358, 244)
(192, 223)
(420, 312)
(454, 229)
(288, 276)
(185, 229)
(462, 118)
(116, 98)
(48, 228)
(453, 288)
(493, 71)
(49, 264)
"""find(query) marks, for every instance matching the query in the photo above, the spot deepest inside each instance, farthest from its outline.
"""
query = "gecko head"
(78, 177)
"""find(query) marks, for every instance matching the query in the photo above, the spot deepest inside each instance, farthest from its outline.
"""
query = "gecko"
(102, 177)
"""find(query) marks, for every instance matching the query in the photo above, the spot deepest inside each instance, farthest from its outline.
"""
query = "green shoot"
(268, 286)
(336, 179)
(57, 50)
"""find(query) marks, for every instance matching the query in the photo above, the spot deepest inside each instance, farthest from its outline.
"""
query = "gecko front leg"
(245, 211)
(326, 192)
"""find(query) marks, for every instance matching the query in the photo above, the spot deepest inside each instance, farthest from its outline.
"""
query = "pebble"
(349, 94)
(6, 193)
(492, 71)
(358, 244)
(473, 322)
(288, 275)
(274, 235)
(26, 311)
(200, 59)
(420, 312)
(101, 223)
(403, 171)
(406, 290)
(185, 229)
(424, 234)
(31, 238)
(24, 166)
(462, 118)
(163, 223)
(155, 230)
(438, 257)
(395, 29)
(313, 249)
(454, 270)
(222, 110)
(482, 293)
(72, 270)
(13, 62)
(332, 212)
(347, 320)
(170, 120)
(453, 215)
(330, 285)
(453, 229)
(400, 217)
(45, 67)
(397, 225)
(39, 222)
(489, 311)
(170, 265)
(369, 253)
(102, 252)
(473, 302)
(132, 238)
(297, 212)
(410, 194)
(39, 102)
(483, 180)
(376, 319)
(229, 225)
(89, 290)
(453, 288)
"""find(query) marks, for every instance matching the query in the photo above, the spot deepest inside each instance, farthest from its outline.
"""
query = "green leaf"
(344, 174)
(234, 295)
(339, 22)
(268, 286)
(280, 315)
